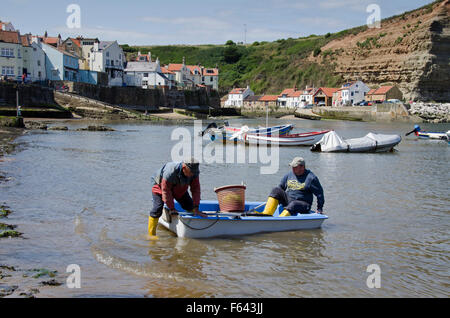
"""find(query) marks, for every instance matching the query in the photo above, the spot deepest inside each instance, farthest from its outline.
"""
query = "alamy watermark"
(374, 279)
(74, 19)
(188, 145)
(374, 19)
(74, 279)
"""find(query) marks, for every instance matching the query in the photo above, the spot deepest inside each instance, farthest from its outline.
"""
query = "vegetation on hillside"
(268, 67)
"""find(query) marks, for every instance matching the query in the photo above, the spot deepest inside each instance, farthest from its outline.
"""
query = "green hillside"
(268, 67)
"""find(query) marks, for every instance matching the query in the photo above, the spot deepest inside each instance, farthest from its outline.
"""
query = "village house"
(324, 96)
(384, 93)
(285, 96)
(6, 26)
(33, 59)
(351, 93)
(108, 57)
(53, 41)
(269, 101)
(60, 65)
(252, 101)
(307, 96)
(237, 95)
(146, 74)
(182, 74)
(11, 52)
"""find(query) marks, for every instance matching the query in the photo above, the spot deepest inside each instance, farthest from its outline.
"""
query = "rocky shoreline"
(431, 112)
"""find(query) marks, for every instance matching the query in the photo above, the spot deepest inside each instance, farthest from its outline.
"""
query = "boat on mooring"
(332, 142)
(289, 140)
(429, 134)
(218, 224)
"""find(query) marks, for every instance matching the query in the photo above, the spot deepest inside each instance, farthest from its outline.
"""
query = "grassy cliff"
(268, 67)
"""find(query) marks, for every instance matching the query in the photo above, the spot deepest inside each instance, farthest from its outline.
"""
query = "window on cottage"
(145, 74)
(107, 54)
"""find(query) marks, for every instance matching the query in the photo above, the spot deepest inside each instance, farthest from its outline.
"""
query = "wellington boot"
(271, 206)
(285, 213)
(152, 224)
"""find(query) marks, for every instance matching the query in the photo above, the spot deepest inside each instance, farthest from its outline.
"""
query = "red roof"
(210, 72)
(288, 92)
(380, 91)
(328, 91)
(269, 98)
(76, 41)
(10, 37)
(237, 91)
(165, 70)
(174, 67)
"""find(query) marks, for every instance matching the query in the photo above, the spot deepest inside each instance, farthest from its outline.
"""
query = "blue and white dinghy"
(219, 224)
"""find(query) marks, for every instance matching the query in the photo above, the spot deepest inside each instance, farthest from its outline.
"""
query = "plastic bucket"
(231, 198)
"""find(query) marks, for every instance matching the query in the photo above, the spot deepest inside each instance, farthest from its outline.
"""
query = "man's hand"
(173, 212)
(197, 212)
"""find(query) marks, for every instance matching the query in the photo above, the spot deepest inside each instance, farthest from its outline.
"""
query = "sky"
(168, 22)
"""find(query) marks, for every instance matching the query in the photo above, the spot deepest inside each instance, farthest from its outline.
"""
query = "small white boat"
(332, 142)
(301, 139)
(429, 134)
(433, 135)
(229, 133)
(219, 224)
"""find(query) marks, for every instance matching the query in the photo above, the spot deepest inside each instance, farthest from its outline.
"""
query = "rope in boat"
(193, 228)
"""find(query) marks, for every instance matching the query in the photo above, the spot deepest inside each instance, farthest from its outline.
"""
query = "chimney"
(184, 60)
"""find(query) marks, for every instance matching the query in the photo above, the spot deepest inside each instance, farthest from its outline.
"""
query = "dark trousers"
(293, 206)
(158, 204)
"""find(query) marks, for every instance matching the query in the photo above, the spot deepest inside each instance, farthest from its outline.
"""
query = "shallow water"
(83, 198)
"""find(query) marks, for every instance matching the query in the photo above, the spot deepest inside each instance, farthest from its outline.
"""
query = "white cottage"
(108, 57)
(146, 74)
(352, 93)
(237, 95)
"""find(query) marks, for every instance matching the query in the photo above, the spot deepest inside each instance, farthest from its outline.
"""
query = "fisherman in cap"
(170, 182)
(295, 191)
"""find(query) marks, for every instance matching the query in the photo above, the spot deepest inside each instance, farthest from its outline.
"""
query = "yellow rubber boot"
(271, 206)
(285, 213)
(152, 224)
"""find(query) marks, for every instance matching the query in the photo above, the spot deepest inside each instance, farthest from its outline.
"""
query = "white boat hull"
(306, 139)
(223, 224)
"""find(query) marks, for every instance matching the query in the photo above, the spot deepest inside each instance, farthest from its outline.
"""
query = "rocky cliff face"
(411, 51)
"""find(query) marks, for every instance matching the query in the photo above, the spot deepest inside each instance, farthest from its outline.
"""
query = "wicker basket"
(231, 198)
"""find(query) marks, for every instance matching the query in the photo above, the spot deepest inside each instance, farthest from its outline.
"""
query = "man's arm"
(195, 190)
(167, 195)
(317, 189)
(283, 182)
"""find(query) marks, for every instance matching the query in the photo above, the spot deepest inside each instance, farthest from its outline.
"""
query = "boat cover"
(332, 142)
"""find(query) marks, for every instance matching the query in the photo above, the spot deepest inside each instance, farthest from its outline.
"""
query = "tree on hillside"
(230, 42)
(231, 54)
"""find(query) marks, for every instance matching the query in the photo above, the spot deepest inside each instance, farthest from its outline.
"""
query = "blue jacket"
(303, 187)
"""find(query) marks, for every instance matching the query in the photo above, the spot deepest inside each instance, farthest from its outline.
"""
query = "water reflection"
(90, 195)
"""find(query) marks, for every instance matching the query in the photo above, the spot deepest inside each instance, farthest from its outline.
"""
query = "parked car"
(309, 106)
(321, 104)
(394, 101)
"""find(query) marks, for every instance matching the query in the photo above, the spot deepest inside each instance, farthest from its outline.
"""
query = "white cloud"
(354, 5)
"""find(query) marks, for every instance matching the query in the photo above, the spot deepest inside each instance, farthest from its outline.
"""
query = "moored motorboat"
(332, 142)
(219, 224)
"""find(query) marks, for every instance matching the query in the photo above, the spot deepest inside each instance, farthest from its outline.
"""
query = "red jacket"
(173, 184)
